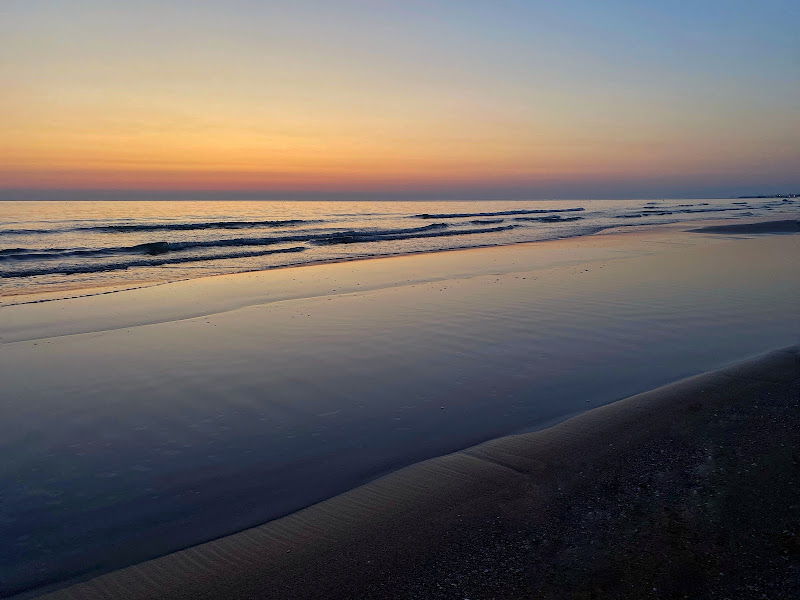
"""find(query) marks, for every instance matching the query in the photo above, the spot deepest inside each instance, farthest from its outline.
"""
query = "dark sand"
(786, 226)
(687, 491)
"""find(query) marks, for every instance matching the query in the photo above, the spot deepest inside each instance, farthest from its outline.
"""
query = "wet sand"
(689, 490)
(191, 410)
(766, 227)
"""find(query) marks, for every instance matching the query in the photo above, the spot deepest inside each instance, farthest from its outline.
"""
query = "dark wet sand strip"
(690, 490)
(785, 226)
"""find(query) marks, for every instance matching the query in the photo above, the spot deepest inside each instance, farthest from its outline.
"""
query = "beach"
(685, 491)
(399, 300)
(365, 394)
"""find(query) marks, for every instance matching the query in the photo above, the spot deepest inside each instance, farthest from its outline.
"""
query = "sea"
(55, 248)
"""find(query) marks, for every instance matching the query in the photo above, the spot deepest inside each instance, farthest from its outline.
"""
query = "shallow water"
(61, 246)
(122, 445)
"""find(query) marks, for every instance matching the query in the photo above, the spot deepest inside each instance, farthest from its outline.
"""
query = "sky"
(398, 99)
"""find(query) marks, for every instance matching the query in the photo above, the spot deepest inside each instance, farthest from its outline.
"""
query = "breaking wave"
(183, 226)
(164, 247)
(501, 213)
(155, 262)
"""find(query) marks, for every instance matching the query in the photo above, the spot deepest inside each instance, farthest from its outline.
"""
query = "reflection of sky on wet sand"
(133, 442)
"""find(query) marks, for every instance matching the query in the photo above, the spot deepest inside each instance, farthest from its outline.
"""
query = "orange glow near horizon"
(366, 98)
(98, 149)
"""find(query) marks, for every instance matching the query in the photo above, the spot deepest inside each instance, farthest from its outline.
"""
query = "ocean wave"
(501, 213)
(195, 226)
(159, 248)
(155, 262)
(548, 219)
(164, 247)
(356, 239)
(666, 210)
(184, 226)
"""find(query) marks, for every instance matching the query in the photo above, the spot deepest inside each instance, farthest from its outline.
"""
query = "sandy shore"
(142, 422)
(689, 490)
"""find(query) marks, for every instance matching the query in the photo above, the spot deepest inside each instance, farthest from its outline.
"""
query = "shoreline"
(319, 262)
(716, 223)
(493, 509)
(163, 302)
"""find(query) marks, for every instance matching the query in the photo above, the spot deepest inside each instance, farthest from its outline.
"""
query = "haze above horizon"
(398, 100)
